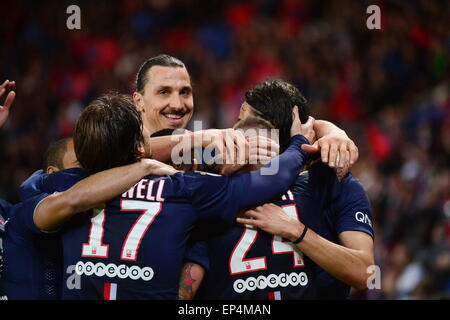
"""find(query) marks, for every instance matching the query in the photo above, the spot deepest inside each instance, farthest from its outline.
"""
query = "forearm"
(162, 146)
(191, 278)
(345, 264)
(323, 128)
(104, 186)
(88, 193)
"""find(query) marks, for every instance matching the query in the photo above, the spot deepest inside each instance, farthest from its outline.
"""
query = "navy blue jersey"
(40, 182)
(33, 259)
(31, 265)
(33, 185)
(4, 213)
(322, 203)
(338, 207)
(133, 247)
(244, 263)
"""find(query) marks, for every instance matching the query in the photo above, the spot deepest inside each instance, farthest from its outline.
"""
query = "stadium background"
(389, 89)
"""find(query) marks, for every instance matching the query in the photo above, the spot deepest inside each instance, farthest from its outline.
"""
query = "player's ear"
(51, 169)
(140, 152)
(138, 100)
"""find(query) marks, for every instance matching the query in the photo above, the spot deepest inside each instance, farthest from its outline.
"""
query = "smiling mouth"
(174, 116)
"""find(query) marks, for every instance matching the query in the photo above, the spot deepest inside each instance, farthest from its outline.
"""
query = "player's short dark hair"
(108, 133)
(273, 101)
(55, 153)
(162, 60)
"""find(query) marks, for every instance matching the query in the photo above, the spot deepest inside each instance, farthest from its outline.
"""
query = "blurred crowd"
(388, 89)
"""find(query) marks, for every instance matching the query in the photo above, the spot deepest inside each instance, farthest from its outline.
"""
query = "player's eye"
(186, 92)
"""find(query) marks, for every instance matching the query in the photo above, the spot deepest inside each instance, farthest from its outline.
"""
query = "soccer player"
(321, 202)
(345, 223)
(241, 262)
(164, 96)
(33, 260)
(133, 248)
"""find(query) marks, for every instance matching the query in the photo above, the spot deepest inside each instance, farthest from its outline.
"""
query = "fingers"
(310, 121)
(308, 128)
(9, 99)
(310, 148)
(250, 222)
(335, 152)
(343, 156)
(261, 149)
(266, 143)
(6, 85)
(296, 124)
(333, 156)
(252, 217)
(268, 206)
(253, 213)
(241, 146)
(324, 149)
(295, 116)
(354, 154)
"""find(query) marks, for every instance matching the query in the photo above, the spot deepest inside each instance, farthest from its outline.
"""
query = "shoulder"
(201, 177)
(351, 186)
(4, 208)
(64, 179)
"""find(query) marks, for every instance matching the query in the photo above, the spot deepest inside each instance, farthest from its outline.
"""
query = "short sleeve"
(197, 252)
(25, 213)
(352, 208)
(33, 186)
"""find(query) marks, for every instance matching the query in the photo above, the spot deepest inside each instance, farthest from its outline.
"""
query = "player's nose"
(176, 103)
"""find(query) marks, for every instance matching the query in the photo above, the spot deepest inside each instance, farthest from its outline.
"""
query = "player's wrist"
(296, 232)
(147, 165)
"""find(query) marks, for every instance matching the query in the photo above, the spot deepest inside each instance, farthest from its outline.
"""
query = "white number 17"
(130, 247)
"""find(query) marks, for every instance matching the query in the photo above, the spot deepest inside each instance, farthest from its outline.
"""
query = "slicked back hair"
(108, 133)
(162, 60)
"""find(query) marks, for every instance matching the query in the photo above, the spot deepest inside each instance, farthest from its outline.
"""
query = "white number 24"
(239, 264)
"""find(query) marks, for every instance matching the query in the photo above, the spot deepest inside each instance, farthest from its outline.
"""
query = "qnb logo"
(111, 270)
(271, 281)
(364, 218)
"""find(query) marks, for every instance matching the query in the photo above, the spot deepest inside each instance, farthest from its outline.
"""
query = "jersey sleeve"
(27, 211)
(224, 195)
(41, 182)
(33, 186)
(197, 252)
(352, 208)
